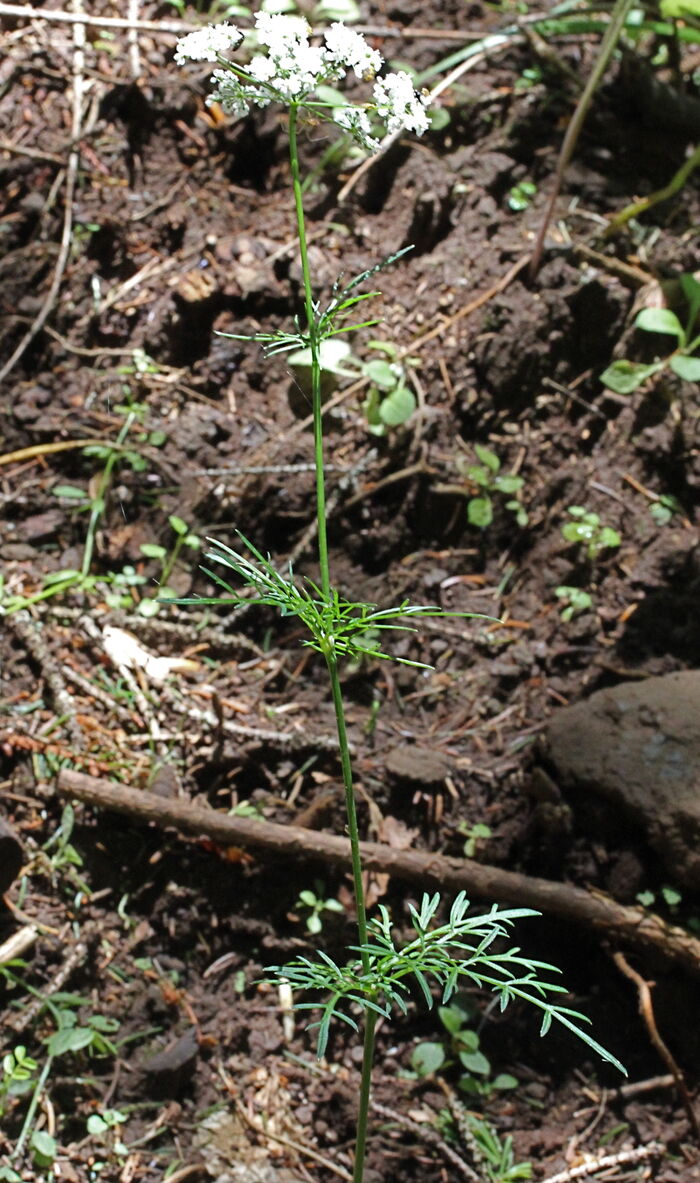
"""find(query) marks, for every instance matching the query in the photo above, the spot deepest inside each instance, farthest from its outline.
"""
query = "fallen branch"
(28, 12)
(633, 926)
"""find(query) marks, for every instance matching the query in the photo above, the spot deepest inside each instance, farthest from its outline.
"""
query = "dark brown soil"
(180, 226)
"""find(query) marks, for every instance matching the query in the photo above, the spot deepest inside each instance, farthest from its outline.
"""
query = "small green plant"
(153, 550)
(493, 484)
(670, 896)
(625, 376)
(574, 600)
(24, 1076)
(473, 835)
(316, 903)
(461, 1046)
(663, 509)
(498, 1159)
(529, 77)
(106, 1127)
(18, 1073)
(389, 402)
(587, 529)
(60, 857)
(521, 196)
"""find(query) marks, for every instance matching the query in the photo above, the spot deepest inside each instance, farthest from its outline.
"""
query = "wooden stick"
(634, 926)
(646, 1010)
(101, 22)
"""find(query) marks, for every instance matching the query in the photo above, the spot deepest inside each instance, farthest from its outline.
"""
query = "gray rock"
(417, 766)
(638, 747)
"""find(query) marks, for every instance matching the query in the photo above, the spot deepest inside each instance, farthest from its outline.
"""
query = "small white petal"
(277, 31)
(205, 45)
(399, 105)
(355, 120)
(350, 51)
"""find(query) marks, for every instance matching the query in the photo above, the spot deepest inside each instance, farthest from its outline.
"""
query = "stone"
(417, 766)
(637, 746)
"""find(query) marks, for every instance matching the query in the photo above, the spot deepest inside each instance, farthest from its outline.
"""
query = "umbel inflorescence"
(293, 69)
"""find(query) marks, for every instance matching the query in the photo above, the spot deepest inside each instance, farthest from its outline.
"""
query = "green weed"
(587, 529)
(626, 376)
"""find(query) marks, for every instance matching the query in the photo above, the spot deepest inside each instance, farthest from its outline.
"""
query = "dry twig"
(606, 1161)
(646, 1009)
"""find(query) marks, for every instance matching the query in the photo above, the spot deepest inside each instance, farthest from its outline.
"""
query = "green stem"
(31, 1111)
(98, 503)
(314, 347)
(336, 690)
(351, 809)
(676, 183)
(365, 1090)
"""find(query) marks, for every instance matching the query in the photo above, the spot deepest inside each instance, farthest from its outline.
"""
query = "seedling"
(499, 1160)
(663, 509)
(382, 971)
(18, 1073)
(521, 196)
(24, 1076)
(588, 530)
(494, 485)
(153, 550)
(389, 402)
(315, 902)
(669, 895)
(461, 1046)
(574, 601)
(625, 376)
(474, 835)
(60, 856)
(105, 1126)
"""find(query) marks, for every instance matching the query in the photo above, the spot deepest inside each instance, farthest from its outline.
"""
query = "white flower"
(235, 99)
(205, 45)
(348, 50)
(399, 104)
(280, 32)
(355, 120)
(261, 68)
(293, 67)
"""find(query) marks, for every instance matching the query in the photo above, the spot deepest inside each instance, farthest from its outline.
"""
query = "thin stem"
(314, 346)
(31, 1111)
(365, 1089)
(336, 690)
(350, 806)
(98, 503)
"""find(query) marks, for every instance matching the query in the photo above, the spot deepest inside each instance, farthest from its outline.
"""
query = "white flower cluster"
(399, 105)
(207, 45)
(292, 69)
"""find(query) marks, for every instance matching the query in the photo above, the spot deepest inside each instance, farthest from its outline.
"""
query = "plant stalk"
(365, 1090)
(331, 662)
(350, 806)
(314, 347)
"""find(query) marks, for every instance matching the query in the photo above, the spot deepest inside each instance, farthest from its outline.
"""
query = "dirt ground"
(136, 224)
